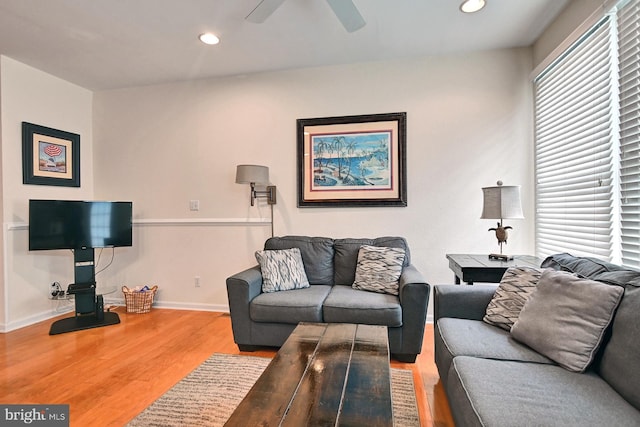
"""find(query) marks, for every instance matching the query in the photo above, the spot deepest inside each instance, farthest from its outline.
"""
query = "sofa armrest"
(413, 292)
(242, 287)
(461, 301)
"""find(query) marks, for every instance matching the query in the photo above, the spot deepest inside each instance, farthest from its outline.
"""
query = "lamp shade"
(246, 174)
(502, 201)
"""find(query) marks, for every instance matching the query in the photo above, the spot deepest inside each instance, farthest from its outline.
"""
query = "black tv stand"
(89, 310)
(79, 323)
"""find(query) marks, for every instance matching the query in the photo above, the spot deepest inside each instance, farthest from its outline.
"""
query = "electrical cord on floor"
(271, 220)
(63, 305)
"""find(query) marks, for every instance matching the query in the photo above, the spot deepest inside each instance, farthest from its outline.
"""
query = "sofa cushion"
(464, 337)
(594, 269)
(516, 285)
(620, 359)
(299, 305)
(346, 255)
(498, 393)
(566, 317)
(379, 269)
(282, 270)
(317, 255)
(619, 364)
(347, 305)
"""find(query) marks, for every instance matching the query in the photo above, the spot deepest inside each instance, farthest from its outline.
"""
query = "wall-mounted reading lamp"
(252, 175)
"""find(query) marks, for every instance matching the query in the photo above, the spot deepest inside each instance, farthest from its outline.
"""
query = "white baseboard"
(46, 315)
(221, 308)
(33, 319)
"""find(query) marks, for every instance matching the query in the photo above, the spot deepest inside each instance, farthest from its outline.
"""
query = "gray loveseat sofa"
(267, 319)
(493, 380)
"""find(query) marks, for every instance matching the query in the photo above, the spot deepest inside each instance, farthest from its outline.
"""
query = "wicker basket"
(139, 301)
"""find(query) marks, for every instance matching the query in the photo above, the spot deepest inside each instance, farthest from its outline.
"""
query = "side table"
(479, 268)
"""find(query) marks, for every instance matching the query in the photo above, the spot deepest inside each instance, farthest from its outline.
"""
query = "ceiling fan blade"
(263, 10)
(348, 14)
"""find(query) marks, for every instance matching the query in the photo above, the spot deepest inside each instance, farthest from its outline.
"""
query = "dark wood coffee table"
(480, 268)
(324, 374)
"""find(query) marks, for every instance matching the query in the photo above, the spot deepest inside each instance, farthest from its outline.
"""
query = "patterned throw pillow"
(379, 269)
(516, 286)
(282, 270)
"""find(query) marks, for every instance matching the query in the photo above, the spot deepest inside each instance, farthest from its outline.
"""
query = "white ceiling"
(107, 44)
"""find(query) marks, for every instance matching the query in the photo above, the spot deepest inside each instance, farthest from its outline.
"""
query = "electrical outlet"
(194, 205)
(56, 291)
(197, 281)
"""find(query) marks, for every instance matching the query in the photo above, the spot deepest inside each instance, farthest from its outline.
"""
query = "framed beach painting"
(352, 161)
(50, 156)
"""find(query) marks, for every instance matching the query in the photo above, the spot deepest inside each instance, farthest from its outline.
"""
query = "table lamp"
(500, 202)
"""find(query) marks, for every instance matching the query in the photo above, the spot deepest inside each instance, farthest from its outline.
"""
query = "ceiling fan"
(345, 10)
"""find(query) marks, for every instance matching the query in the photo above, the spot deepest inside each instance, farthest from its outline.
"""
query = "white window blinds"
(574, 104)
(629, 84)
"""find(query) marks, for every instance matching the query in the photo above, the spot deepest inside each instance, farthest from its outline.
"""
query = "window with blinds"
(574, 152)
(629, 106)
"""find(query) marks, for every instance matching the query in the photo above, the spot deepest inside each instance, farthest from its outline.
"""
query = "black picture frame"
(352, 161)
(50, 156)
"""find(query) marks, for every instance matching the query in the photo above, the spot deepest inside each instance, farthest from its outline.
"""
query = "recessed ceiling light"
(470, 6)
(209, 38)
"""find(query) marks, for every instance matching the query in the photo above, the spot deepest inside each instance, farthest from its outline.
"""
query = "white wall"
(33, 96)
(469, 123)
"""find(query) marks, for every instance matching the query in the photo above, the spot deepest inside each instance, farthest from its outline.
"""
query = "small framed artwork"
(50, 156)
(352, 161)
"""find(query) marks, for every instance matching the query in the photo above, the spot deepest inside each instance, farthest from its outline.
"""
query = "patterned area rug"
(209, 394)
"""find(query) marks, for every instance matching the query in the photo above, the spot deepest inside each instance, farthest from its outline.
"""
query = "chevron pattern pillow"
(379, 269)
(282, 270)
(514, 290)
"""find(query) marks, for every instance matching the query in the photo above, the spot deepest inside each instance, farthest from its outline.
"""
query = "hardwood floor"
(108, 375)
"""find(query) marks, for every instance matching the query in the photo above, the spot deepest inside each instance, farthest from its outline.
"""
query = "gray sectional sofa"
(492, 379)
(267, 319)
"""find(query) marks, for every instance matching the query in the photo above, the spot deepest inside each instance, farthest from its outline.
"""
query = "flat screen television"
(74, 224)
